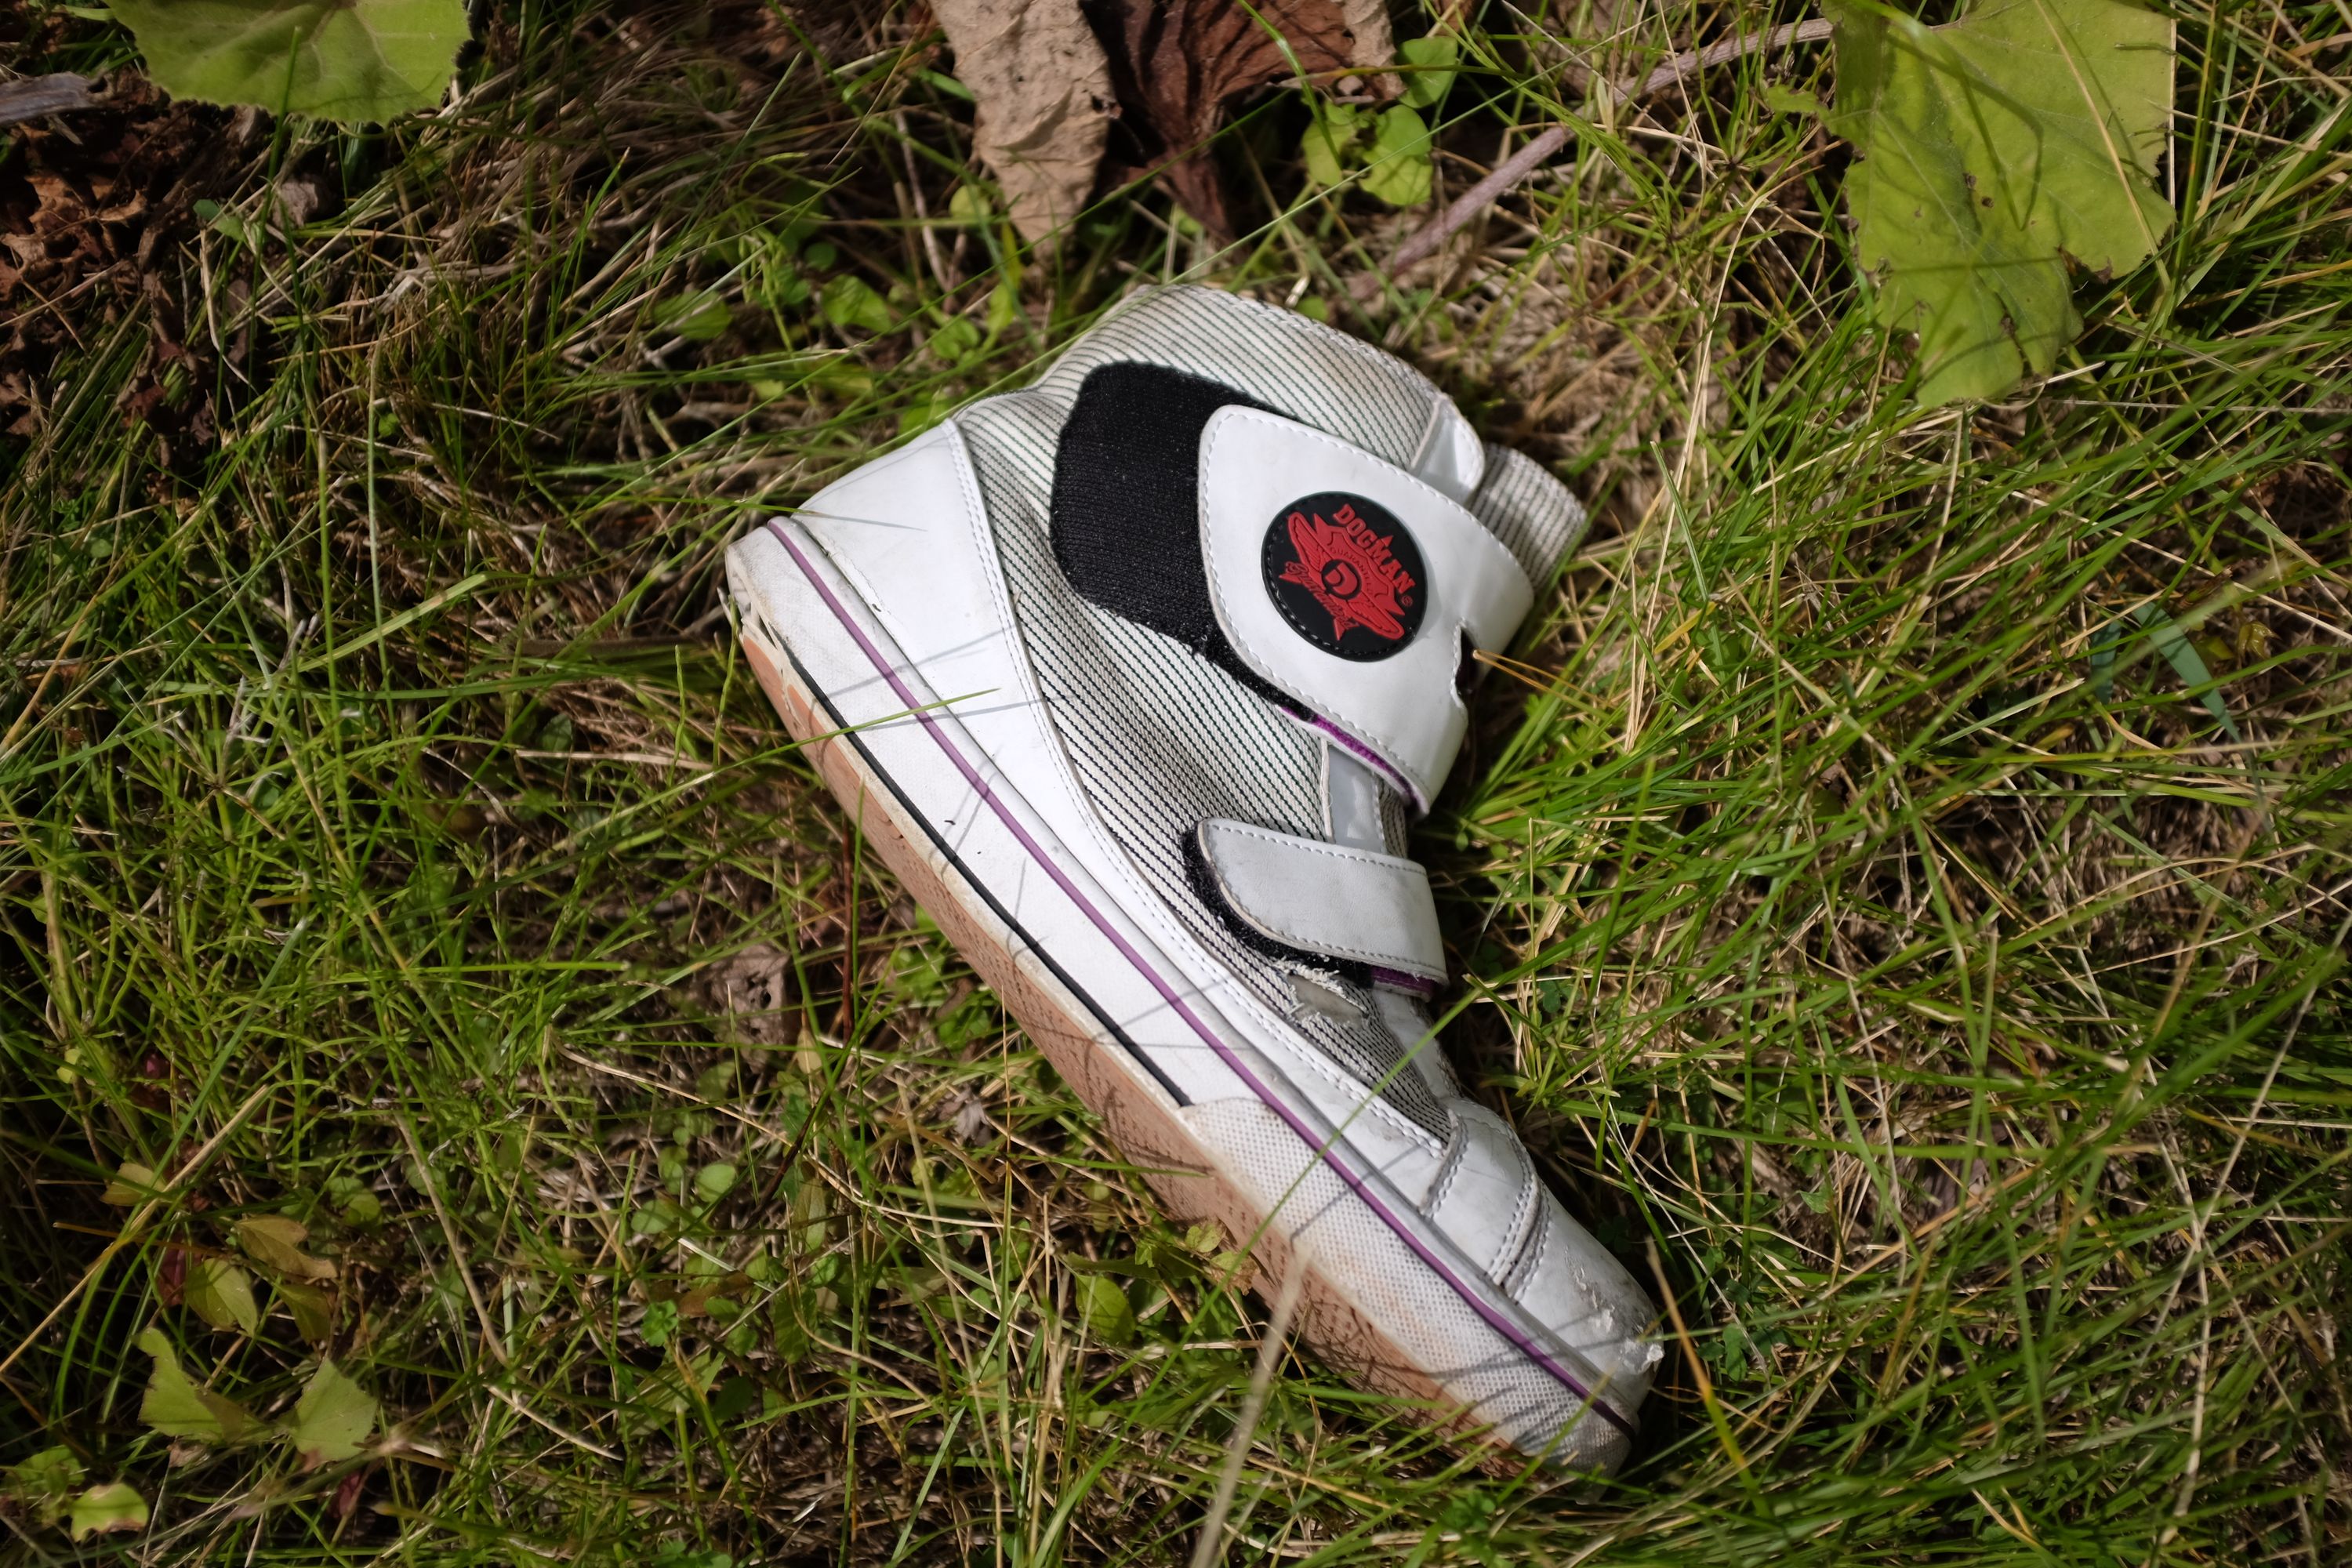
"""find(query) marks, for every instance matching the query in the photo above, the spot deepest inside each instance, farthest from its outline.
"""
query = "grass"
(393, 842)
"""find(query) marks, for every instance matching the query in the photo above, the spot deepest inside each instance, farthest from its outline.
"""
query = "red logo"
(1351, 571)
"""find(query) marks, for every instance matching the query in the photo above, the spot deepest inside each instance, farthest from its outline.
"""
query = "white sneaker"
(1133, 678)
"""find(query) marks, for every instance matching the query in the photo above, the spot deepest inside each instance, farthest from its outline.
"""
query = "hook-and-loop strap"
(1328, 899)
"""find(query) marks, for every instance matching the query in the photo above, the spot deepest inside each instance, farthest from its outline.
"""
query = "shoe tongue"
(1451, 459)
(1362, 809)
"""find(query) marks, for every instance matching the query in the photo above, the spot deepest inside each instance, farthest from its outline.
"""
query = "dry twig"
(29, 98)
(1206, 1548)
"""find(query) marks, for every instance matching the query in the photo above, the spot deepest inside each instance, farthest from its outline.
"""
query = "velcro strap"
(1327, 898)
(1352, 586)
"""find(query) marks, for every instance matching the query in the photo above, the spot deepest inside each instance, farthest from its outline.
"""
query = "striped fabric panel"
(1316, 375)
(1531, 512)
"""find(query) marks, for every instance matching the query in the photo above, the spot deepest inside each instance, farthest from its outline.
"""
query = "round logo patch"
(1346, 575)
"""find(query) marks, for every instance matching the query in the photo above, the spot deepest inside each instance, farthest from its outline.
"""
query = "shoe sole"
(1188, 1177)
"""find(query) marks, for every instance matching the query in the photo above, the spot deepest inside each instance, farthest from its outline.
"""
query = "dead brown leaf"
(1041, 90)
(967, 1114)
(1178, 63)
(92, 219)
(753, 992)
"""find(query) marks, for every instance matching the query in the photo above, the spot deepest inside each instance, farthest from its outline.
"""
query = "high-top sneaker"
(1135, 678)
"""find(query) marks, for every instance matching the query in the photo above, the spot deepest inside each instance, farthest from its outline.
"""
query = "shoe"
(1134, 678)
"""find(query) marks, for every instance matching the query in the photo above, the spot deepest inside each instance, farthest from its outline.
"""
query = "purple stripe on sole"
(1169, 993)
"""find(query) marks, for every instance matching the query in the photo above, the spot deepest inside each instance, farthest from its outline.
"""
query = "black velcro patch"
(1125, 519)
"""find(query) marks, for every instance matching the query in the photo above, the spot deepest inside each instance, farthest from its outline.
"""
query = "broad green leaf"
(659, 1324)
(957, 340)
(177, 1408)
(1104, 1308)
(41, 1484)
(349, 61)
(921, 414)
(968, 204)
(1990, 151)
(333, 1418)
(675, 1553)
(134, 1184)
(699, 318)
(103, 1510)
(354, 1203)
(221, 1293)
(231, 224)
(1398, 171)
(313, 1307)
(1004, 304)
(1467, 1509)
(276, 1242)
(1435, 59)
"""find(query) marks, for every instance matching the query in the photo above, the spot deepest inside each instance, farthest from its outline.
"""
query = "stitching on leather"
(1284, 1052)
(1480, 537)
(1439, 406)
(1531, 1263)
(1386, 743)
(1450, 1168)
(1431, 424)
(1405, 961)
(1326, 733)
(1308, 846)
(837, 552)
(1515, 1237)
(1210, 884)
(1513, 1241)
